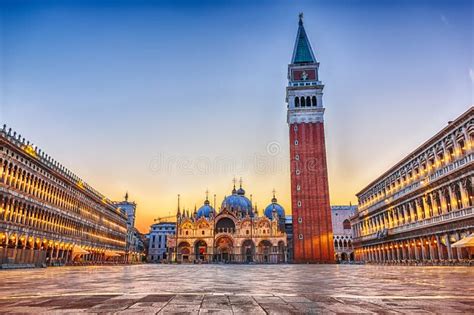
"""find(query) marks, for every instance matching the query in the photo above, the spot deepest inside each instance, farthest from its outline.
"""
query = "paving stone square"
(238, 289)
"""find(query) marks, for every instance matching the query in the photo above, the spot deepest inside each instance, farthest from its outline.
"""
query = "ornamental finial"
(300, 16)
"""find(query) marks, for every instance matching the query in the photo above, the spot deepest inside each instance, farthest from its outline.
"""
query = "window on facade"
(297, 157)
(463, 148)
(202, 232)
(298, 187)
(297, 102)
(303, 102)
(296, 142)
(308, 101)
(469, 191)
(457, 193)
(313, 101)
(299, 203)
(346, 224)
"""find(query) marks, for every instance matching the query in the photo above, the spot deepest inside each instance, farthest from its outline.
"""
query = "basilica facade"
(234, 234)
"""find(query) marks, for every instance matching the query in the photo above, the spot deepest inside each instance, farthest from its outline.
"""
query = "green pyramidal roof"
(302, 52)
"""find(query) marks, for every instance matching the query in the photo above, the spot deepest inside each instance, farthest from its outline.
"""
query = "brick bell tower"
(312, 229)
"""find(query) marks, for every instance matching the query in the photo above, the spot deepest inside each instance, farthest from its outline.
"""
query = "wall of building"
(158, 236)
(341, 226)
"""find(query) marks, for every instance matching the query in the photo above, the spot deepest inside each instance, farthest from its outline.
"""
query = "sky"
(164, 98)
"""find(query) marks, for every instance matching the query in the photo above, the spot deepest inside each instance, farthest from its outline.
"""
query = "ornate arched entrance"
(248, 251)
(224, 249)
(184, 251)
(200, 250)
(265, 250)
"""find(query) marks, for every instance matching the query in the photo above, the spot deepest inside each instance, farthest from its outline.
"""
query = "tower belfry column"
(312, 228)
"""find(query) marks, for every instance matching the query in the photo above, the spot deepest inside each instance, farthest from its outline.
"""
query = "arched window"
(225, 225)
(308, 101)
(346, 225)
(469, 191)
(303, 102)
(448, 200)
(313, 101)
(297, 102)
(461, 145)
(457, 193)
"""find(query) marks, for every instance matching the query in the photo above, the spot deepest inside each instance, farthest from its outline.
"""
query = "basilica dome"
(274, 206)
(205, 210)
(238, 203)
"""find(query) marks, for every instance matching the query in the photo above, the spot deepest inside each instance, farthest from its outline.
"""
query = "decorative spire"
(206, 202)
(274, 200)
(302, 53)
(179, 210)
(126, 196)
(234, 191)
(240, 182)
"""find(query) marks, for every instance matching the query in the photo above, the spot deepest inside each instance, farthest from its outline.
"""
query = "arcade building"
(421, 209)
(234, 234)
(49, 215)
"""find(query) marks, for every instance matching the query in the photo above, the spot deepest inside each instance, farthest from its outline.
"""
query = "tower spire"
(234, 191)
(302, 53)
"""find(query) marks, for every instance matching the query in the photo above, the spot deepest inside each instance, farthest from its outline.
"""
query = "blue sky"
(150, 96)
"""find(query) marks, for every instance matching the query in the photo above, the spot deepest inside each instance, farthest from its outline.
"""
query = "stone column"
(458, 249)
(432, 252)
(424, 254)
(411, 212)
(426, 207)
(439, 247)
(464, 196)
(434, 203)
(449, 248)
(417, 252)
(452, 198)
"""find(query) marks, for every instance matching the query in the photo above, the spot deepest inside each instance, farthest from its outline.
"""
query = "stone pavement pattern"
(238, 289)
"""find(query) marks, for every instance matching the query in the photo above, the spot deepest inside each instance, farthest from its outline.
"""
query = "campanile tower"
(312, 229)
